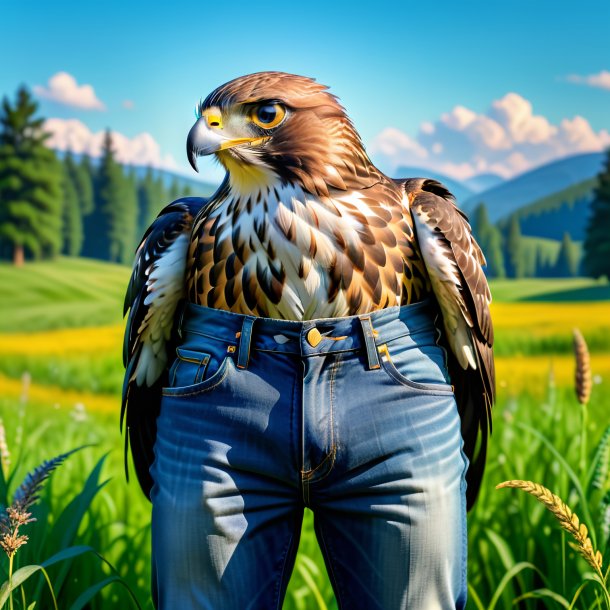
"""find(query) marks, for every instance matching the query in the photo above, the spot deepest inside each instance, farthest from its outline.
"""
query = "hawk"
(304, 226)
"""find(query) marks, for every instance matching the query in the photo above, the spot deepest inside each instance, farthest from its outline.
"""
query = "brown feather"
(475, 389)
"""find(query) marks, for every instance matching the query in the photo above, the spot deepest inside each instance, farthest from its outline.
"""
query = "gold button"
(314, 337)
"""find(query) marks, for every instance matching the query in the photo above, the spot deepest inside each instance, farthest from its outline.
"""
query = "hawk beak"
(205, 140)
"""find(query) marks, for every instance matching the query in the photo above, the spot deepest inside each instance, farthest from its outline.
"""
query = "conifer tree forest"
(597, 241)
(98, 208)
(74, 207)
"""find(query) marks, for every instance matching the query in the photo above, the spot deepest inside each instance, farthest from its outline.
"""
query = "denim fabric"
(352, 417)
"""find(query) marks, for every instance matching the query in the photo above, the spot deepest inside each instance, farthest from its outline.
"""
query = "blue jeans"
(352, 417)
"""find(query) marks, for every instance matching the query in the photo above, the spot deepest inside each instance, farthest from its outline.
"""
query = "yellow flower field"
(546, 319)
(55, 397)
(515, 373)
(534, 319)
(65, 342)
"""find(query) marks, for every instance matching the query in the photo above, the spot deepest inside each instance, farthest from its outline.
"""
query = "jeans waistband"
(308, 337)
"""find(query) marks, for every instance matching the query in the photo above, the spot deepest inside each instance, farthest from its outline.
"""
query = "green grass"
(550, 289)
(117, 523)
(67, 292)
(78, 292)
(505, 528)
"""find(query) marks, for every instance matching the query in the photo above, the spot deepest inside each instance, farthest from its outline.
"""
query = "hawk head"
(272, 126)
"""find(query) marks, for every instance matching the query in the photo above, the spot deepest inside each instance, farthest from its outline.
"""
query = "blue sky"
(399, 68)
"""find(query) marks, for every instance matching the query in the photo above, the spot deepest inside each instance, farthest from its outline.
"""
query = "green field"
(550, 290)
(71, 398)
(71, 292)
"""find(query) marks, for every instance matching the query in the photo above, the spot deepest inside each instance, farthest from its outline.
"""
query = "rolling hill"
(530, 187)
(80, 292)
(552, 216)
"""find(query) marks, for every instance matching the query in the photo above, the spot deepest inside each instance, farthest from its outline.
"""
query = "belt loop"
(369, 342)
(243, 354)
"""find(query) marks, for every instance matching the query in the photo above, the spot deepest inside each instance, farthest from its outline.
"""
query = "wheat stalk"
(583, 368)
(566, 517)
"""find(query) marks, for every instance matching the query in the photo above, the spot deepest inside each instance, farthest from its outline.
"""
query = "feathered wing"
(154, 291)
(454, 263)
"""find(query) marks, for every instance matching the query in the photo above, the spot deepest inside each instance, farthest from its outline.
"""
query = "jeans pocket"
(188, 368)
(416, 361)
(195, 371)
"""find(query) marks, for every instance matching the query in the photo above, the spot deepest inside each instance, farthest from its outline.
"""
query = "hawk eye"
(268, 115)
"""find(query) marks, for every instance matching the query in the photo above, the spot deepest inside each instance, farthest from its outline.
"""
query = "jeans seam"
(202, 390)
(308, 473)
(278, 584)
(333, 445)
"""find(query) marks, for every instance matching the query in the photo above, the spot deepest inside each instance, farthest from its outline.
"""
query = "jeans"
(352, 417)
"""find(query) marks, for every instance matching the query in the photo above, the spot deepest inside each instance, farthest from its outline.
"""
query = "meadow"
(60, 379)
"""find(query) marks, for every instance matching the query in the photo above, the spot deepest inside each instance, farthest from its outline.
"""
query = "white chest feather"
(291, 230)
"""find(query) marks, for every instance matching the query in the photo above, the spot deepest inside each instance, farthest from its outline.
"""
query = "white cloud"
(142, 149)
(63, 89)
(600, 80)
(394, 143)
(128, 104)
(508, 139)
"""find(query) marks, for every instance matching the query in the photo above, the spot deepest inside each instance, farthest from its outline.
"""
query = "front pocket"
(420, 367)
(188, 368)
(210, 382)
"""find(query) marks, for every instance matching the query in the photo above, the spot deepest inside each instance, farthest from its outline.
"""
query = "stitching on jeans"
(203, 390)
(307, 473)
(439, 389)
(278, 584)
(333, 446)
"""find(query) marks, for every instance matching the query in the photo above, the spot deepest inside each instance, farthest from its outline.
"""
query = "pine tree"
(130, 186)
(81, 174)
(489, 238)
(175, 192)
(72, 225)
(542, 267)
(567, 262)
(515, 256)
(494, 255)
(148, 195)
(596, 261)
(162, 196)
(30, 183)
(152, 197)
(114, 216)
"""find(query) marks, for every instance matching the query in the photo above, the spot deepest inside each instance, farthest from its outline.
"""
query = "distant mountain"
(532, 186)
(483, 182)
(457, 188)
(566, 211)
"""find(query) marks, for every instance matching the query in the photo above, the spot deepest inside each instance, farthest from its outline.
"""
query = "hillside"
(67, 292)
(531, 187)
(79, 292)
(564, 211)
